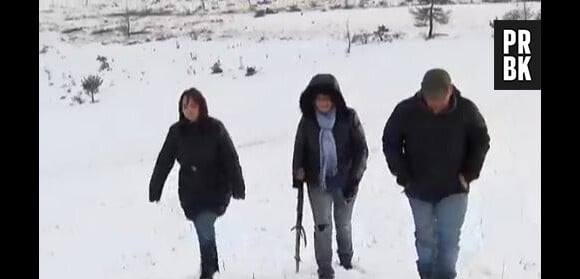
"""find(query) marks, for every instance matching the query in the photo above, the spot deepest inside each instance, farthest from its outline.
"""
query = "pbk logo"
(518, 55)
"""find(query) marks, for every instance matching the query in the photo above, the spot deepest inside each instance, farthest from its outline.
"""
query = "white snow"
(95, 160)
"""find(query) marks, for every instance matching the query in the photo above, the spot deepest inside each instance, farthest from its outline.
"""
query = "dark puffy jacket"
(428, 152)
(209, 166)
(352, 150)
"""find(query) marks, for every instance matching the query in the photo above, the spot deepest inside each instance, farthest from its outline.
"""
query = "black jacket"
(352, 150)
(209, 166)
(428, 152)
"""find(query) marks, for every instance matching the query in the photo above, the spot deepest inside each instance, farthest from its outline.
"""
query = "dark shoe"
(206, 274)
(345, 261)
(208, 269)
(326, 273)
(425, 271)
(346, 265)
(442, 276)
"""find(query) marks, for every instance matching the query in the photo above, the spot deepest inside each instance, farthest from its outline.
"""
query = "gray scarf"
(328, 156)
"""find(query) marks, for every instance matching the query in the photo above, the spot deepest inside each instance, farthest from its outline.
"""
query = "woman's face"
(190, 109)
(323, 103)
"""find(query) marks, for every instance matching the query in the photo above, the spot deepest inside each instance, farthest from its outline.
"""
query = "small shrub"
(217, 68)
(250, 71)
(91, 85)
(78, 100)
(104, 64)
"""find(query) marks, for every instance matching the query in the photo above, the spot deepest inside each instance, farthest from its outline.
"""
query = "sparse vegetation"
(196, 34)
(44, 50)
(335, 7)
(102, 31)
(363, 3)
(104, 63)
(72, 30)
(491, 22)
(294, 8)
(383, 3)
(164, 37)
(523, 13)
(78, 99)
(267, 11)
(49, 74)
(381, 34)
(260, 13)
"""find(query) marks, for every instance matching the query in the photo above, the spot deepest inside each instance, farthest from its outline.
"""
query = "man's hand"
(464, 182)
(300, 175)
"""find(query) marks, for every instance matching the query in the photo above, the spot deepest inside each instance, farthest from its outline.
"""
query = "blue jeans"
(437, 230)
(204, 226)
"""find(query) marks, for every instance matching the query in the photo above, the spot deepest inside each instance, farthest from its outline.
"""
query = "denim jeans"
(437, 230)
(204, 226)
(323, 203)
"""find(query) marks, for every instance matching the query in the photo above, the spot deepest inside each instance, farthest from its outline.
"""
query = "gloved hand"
(239, 195)
(298, 178)
(350, 190)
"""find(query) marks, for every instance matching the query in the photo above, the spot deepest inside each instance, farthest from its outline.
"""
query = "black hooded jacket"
(209, 166)
(352, 150)
(428, 152)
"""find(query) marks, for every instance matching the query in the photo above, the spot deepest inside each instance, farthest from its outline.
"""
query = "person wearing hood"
(330, 154)
(209, 174)
(435, 143)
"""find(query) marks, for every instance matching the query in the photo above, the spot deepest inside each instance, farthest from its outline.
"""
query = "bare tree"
(527, 12)
(431, 19)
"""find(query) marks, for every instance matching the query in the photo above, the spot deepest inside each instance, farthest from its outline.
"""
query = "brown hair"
(197, 97)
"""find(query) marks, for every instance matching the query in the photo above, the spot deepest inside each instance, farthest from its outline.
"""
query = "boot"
(325, 273)
(208, 268)
(345, 262)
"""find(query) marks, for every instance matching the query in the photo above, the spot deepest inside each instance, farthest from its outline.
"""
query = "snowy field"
(96, 159)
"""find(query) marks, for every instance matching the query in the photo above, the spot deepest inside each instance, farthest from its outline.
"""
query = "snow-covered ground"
(96, 159)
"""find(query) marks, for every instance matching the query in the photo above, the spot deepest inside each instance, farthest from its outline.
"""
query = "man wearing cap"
(435, 144)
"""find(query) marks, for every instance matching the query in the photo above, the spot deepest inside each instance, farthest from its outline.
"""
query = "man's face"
(439, 101)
